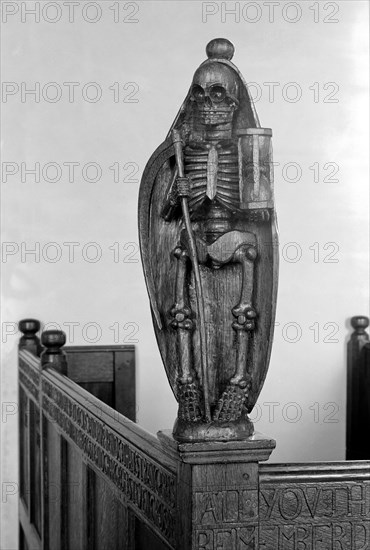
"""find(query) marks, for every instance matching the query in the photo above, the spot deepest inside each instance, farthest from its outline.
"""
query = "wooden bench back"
(92, 479)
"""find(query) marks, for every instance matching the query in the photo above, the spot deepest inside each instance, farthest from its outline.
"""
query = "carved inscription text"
(145, 484)
(29, 378)
(327, 516)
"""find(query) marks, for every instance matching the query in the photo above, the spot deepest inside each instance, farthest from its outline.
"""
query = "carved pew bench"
(90, 478)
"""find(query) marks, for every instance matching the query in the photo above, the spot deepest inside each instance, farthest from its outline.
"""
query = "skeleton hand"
(182, 187)
(259, 215)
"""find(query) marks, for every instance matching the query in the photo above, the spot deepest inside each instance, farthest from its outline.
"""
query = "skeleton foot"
(189, 398)
(231, 404)
(241, 381)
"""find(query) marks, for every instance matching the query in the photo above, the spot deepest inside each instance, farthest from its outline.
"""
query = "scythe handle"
(198, 285)
(177, 143)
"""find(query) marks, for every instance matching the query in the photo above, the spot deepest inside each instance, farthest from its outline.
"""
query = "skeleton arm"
(259, 215)
(171, 202)
(179, 187)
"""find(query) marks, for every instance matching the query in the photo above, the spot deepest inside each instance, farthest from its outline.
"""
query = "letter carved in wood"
(144, 484)
(226, 514)
(315, 515)
(29, 376)
(209, 248)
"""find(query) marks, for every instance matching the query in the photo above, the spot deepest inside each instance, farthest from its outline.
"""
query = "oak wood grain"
(109, 484)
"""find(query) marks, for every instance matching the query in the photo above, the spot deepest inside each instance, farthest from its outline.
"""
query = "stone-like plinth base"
(192, 432)
(256, 448)
(218, 491)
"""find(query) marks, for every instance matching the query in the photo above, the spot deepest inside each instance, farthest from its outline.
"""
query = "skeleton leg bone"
(188, 391)
(231, 403)
(244, 313)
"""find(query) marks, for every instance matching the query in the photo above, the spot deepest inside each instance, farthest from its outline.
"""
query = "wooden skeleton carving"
(209, 249)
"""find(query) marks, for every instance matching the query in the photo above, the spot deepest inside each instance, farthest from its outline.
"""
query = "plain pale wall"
(302, 404)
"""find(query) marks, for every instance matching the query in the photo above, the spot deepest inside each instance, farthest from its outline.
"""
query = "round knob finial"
(360, 322)
(29, 327)
(53, 356)
(54, 339)
(220, 48)
(29, 340)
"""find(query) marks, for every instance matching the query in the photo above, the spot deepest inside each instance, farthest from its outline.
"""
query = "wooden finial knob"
(360, 323)
(29, 340)
(53, 339)
(29, 327)
(220, 48)
(53, 356)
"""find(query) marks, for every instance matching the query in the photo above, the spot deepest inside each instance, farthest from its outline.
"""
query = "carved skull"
(215, 93)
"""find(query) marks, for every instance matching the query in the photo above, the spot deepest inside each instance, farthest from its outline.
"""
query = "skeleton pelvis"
(222, 250)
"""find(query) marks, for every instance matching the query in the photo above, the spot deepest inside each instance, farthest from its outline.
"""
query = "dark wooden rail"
(358, 392)
(97, 372)
(108, 372)
(315, 506)
(91, 479)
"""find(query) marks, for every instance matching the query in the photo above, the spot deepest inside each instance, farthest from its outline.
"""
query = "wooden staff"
(198, 285)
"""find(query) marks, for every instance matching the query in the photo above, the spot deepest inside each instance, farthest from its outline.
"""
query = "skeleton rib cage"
(225, 168)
